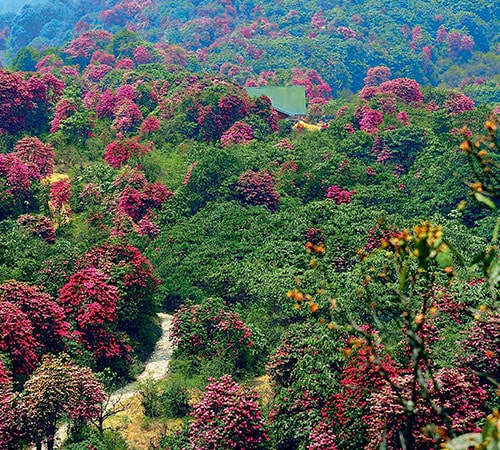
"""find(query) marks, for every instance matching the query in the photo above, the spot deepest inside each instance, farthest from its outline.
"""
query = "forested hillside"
(327, 46)
(351, 272)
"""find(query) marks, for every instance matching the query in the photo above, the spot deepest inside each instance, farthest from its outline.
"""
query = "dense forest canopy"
(351, 271)
(261, 42)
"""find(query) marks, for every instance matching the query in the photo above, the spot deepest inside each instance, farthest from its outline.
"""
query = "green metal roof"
(290, 100)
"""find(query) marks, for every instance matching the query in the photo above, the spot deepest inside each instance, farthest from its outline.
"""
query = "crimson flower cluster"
(258, 188)
(338, 194)
(238, 133)
(120, 151)
(91, 302)
(228, 417)
(31, 323)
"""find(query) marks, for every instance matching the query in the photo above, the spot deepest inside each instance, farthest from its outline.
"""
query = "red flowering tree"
(90, 302)
(106, 104)
(39, 226)
(142, 55)
(46, 317)
(338, 194)
(131, 274)
(377, 75)
(458, 393)
(38, 156)
(456, 102)
(58, 389)
(150, 125)
(10, 432)
(238, 133)
(314, 85)
(15, 184)
(127, 115)
(481, 347)
(404, 89)
(258, 188)
(344, 415)
(368, 119)
(227, 417)
(82, 47)
(14, 102)
(25, 101)
(120, 151)
(17, 339)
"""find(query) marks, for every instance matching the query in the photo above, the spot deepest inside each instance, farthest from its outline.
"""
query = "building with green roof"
(288, 101)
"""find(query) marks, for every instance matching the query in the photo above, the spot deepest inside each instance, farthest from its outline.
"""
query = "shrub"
(211, 332)
(258, 188)
(174, 400)
(227, 417)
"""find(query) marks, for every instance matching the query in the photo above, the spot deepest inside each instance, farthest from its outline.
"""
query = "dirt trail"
(156, 368)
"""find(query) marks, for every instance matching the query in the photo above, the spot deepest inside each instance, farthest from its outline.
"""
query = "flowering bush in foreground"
(58, 388)
(227, 417)
(90, 301)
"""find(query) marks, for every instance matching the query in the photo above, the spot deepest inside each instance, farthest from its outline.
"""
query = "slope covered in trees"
(357, 266)
(326, 44)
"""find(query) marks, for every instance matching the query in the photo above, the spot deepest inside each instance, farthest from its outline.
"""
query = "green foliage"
(88, 437)
(174, 399)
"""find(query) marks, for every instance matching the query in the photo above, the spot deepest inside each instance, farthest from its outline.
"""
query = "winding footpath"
(155, 369)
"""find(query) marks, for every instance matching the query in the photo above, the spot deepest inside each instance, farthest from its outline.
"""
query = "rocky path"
(156, 368)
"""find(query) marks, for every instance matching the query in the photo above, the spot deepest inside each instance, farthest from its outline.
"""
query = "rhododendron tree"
(90, 302)
(456, 392)
(65, 107)
(211, 330)
(38, 156)
(96, 72)
(47, 318)
(82, 47)
(239, 133)
(150, 125)
(457, 103)
(338, 194)
(227, 417)
(120, 151)
(106, 104)
(10, 432)
(127, 115)
(365, 373)
(258, 188)
(17, 340)
(314, 85)
(368, 119)
(131, 273)
(57, 389)
(38, 225)
(13, 101)
(138, 206)
(404, 89)
(481, 348)
(142, 55)
(377, 75)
